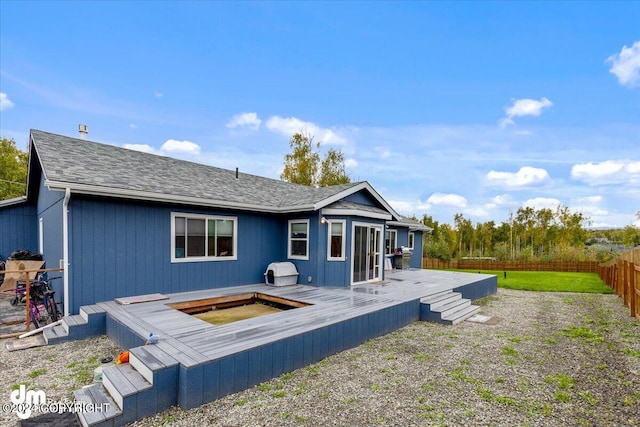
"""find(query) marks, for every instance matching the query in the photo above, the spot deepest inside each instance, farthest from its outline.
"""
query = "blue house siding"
(403, 240)
(362, 198)
(120, 248)
(49, 209)
(18, 228)
(334, 273)
(416, 253)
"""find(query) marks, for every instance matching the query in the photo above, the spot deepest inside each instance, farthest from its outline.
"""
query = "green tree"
(13, 170)
(332, 171)
(303, 164)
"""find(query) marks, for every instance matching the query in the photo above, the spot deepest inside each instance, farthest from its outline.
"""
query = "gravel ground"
(546, 359)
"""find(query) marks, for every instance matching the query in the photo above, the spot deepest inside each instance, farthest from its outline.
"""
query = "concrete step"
(452, 307)
(442, 298)
(95, 397)
(460, 316)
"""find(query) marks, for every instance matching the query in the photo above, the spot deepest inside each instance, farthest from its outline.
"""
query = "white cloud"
(542, 203)
(453, 200)
(524, 107)
(633, 167)
(350, 163)
(526, 176)
(173, 146)
(145, 148)
(383, 152)
(607, 172)
(502, 200)
(133, 125)
(402, 207)
(626, 65)
(291, 125)
(5, 102)
(249, 120)
(589, 199)
(158, 94)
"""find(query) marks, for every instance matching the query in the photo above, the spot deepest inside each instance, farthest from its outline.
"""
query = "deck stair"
(148, 384)
(90, 322)
(446, 307)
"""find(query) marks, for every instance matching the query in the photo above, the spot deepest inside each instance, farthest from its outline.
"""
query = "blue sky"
(468, 107)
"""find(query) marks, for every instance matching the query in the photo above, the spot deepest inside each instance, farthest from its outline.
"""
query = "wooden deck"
(196, 341)
(197, 362)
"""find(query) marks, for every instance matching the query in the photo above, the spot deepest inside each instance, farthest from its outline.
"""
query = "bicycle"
(43, 307)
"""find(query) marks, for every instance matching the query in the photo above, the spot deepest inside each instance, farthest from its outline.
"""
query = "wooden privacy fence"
(623, 276)
(487, 264)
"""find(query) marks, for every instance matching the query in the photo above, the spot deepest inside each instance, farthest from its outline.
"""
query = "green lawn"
(550, 281)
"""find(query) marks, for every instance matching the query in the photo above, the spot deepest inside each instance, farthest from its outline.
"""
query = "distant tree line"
(529, 235)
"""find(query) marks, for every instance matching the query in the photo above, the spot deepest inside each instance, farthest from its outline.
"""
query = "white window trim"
(291, 221)
(344, 238)
(395, 240)
(203, 258)
(411, 239)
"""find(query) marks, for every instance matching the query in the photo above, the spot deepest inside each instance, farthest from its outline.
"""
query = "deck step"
(105, 411)
(149, 360)
(437, 301)
(448, 308)
(460, 316)
(55, 334)
(88, 311)
(452, 307)
(123, 381)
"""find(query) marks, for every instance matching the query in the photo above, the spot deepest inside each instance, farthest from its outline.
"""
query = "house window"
(411, 237)
(299, 239)
(203, 238)
(390, 241)
(336, 240)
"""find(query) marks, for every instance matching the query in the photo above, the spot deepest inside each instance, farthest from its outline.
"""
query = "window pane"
(336, 246)
(225, 227)
(299, 230)
(195, 237)
(336, 239)
(224, 246)
(211, 237)
(179, 237)
(299, 247)
(224, 242)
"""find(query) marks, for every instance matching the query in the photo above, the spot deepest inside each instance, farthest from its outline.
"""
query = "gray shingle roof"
(404, 221)
(94, 168)
(343, 205)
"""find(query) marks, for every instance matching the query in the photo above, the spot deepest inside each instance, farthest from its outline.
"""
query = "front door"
(367, 255)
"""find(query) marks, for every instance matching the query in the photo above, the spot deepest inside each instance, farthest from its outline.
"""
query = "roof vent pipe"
(84, 131)
(236, 173)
